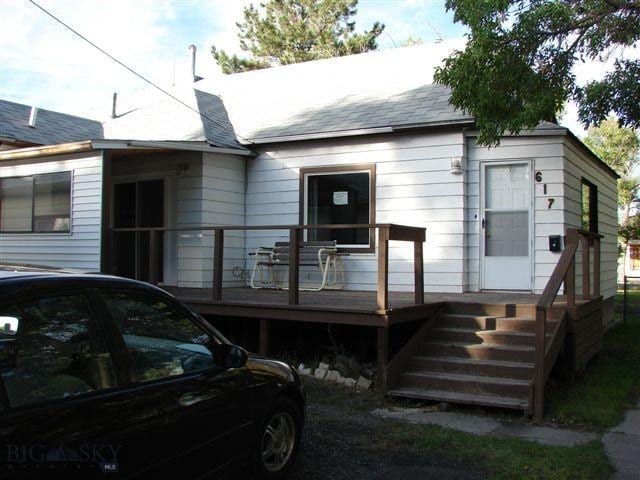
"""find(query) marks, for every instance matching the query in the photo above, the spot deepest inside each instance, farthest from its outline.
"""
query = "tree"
(631, 230)
(619, 148)
(281, 32)
(516, 69)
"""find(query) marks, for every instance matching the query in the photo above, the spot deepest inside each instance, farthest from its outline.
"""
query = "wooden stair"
(474, 354)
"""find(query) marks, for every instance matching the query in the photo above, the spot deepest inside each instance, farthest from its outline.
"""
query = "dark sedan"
(103, 376)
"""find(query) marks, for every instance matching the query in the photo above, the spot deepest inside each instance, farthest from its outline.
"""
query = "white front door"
(506, 226)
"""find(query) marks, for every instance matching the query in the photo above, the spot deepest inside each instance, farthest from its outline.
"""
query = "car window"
(161, 340)
(51, 348)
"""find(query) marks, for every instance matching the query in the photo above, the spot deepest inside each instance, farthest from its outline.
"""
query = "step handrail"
(563, 273)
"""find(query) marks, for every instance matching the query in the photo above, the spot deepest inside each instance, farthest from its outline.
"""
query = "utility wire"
(132, 70)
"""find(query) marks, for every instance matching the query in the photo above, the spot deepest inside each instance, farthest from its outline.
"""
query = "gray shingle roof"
(50, 127)
(164, 119)
(389, 88)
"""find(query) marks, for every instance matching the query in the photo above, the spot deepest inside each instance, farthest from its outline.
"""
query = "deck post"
(586, 269)
(153, 257)
(294, 266)
(596, 267)
(570, 279)
(383, 356)
(218, 257)
(418, 269)
(383, 268)
(624, 300)
(111, 247)
(263, 337)
(571, 284)
(540, 350)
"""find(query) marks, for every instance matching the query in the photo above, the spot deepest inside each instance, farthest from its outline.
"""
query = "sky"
(46, 65)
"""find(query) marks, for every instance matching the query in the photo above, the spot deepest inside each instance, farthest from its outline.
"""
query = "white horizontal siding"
(79, 249)
(222, 203)
(576, 166)
(546, 153)
(413, 187)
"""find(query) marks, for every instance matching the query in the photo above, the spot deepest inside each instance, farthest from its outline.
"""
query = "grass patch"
(501, 458)
(611, 384)
(513, 459)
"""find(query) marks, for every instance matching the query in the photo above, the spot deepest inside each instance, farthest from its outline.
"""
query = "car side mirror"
(233, 356)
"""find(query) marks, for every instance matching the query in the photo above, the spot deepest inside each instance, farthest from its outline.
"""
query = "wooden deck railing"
(564, 272)
(386, 233)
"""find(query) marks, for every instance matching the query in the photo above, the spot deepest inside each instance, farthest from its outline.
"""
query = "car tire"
(278, 440)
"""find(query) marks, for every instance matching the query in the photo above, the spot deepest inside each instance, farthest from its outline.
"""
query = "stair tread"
(458, 397)
(525, 319)
(512, 333)
(469, 377)
(496, 346)
(474, 361)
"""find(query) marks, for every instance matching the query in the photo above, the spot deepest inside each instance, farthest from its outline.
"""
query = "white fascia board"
(190, 146)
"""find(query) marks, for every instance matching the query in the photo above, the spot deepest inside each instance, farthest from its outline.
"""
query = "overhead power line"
(142, 77)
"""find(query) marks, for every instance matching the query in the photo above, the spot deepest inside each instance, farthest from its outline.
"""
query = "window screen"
(16, 206)
(38, 203)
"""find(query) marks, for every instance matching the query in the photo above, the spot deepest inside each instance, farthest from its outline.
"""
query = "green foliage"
(517, 67)
(619, 148)
(631, 229)
(281, 32)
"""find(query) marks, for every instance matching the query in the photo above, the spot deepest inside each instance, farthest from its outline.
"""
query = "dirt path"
(343, 444)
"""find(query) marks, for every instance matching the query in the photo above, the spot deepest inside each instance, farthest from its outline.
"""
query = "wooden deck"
(335, 306)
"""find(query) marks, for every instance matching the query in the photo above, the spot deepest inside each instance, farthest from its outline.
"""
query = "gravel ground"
(343, 444)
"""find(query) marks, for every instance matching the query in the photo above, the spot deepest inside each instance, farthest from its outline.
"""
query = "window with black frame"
(589, 206)
(340, 196)
(36, 203)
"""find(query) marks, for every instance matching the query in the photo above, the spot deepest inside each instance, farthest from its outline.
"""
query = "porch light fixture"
(456, 165)
(183, 168)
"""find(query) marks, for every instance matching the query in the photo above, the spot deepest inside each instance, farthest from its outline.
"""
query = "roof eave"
(89, 145)
(46, 150)
(560, 131)
(169, 145)
(359, 132)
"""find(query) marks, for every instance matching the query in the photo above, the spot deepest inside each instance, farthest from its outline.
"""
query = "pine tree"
(281, 32)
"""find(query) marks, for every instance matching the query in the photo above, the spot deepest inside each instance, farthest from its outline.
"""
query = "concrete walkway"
(622, 444)
(478, 425)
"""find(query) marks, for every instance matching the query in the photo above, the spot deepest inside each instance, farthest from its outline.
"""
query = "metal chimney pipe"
(113, 105)
(33, 116)
(193, 62)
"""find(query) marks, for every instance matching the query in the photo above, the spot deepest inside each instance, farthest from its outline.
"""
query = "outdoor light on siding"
(456, 165)
(183, 168)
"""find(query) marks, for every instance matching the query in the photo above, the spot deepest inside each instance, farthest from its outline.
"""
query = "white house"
(361, 139)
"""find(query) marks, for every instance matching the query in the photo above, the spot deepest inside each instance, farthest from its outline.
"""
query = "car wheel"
(279, 440)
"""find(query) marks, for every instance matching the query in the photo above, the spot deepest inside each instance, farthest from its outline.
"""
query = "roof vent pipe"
(193, 62)
(113, 105)
(33, 116)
